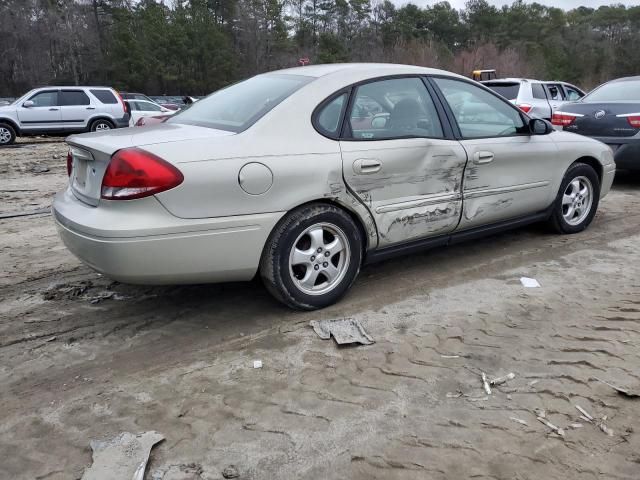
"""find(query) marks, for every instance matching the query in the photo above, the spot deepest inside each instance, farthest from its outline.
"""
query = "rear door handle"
(91, 108)
(364, 166)
(482, 157)
(54, 109)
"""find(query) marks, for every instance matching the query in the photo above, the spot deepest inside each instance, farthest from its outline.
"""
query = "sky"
(564, 4)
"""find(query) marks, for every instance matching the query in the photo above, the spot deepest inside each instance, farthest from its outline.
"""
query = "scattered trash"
(230, 472)
(257, 364)
(501, 380)
(529, 282)
(522, 422)
(67, 290)
(584, 413)
(604, 428)
(557, 430)
(106, 296)
(457, 394)
(122, 457)
(449, 356)
(623, 391)
(344, 331)
(576, 425)
(485, 384)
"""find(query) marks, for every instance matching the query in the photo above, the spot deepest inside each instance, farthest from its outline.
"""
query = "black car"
(611, 114)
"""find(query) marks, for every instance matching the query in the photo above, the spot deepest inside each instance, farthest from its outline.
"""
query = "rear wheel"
(577, 200)
(101, 125)
(7, 134)
(312, 257)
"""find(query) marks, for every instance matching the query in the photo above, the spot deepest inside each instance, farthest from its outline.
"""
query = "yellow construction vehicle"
(480, 75)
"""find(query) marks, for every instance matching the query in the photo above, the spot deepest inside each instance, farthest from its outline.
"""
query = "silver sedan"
(302, 175)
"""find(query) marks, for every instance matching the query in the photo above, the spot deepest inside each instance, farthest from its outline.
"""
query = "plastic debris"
(485, 384)
(623, 391)
(604, 428)
(449, 356)
(257, 364)
(529, 282)
(122, 457)
(501, 380)
(586, 416)
(344, 331)
(557, 430)
(518, 420)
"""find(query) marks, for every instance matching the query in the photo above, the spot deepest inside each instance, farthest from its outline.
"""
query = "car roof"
(374, 69)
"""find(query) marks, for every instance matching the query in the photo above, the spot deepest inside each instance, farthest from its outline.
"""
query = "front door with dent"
(510, 170)
(398, 162)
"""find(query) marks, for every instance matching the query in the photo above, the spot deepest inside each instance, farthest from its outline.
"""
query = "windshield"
(625, 90)
(507, 90)
(240, 105)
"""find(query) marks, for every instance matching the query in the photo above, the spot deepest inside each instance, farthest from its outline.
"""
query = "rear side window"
(328, 120)
(105, 96)
(615, 92)
(73, 97)
(507, 90)
(554, 92)
(538, 91)
(239, 106)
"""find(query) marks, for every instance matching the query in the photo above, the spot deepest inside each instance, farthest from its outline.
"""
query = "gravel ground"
(85, 358)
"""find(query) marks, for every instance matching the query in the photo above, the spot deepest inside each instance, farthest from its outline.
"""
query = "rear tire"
(7, 134)
(577, 200)
(101, 125)
(312, 257)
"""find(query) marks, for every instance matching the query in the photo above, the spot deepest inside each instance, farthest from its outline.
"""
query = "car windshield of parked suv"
(507, 90)
(240, 105)
(620, 91)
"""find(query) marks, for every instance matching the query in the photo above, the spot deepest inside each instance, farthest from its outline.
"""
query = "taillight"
(136, 173)
(69, 163)
(525, 107)
(563, 119)
(634, 121)
(125, 106)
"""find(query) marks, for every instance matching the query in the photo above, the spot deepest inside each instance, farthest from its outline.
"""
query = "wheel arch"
(11, 122)
(593, 163)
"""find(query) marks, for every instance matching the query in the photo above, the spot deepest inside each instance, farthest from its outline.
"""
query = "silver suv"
(536, 98)
(62, 110)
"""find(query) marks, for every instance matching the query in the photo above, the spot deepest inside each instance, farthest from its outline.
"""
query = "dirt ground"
(85, 358)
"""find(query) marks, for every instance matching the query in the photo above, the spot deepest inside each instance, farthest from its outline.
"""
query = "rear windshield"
(240, 105)
(105, 96)
(507, 90)
(626, 90)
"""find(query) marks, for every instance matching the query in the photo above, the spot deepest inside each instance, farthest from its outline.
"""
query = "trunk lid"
(92, 152)
(600, 119)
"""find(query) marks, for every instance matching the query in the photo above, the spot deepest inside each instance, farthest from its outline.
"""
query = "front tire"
(312, 257)
(7, 134)
(577, 200)
(101, 125)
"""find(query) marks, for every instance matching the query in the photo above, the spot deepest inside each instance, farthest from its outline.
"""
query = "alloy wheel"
(102, 126)
(319, 259)
(577, 200)
(5, 135)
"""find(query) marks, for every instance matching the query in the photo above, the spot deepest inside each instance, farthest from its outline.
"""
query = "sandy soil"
(84, 358)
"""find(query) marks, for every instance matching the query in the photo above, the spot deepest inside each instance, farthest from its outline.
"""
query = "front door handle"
(91, 108)
(54, 109)
(364, 166)
(482, 157)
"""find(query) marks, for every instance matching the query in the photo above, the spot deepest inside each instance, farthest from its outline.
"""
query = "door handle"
(91, 108)
(54, 109)
(482, 157)
(364, 166)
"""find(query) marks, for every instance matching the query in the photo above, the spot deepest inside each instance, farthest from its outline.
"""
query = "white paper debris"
(529, 282)
(558, 430)
(522, 422)
(501, 380)
(257, 364)
(588, 417)
(485, 384)
(344, 331)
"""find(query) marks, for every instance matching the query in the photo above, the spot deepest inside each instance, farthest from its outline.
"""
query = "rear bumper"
(626, 151)
(123, 122)
(140, 242)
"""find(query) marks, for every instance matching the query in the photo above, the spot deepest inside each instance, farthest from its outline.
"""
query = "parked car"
(62, 110)
(172, 103)
(271, 175)
(136, 96)
(143, 108)
(611, 114)
(153, 120)
(535, 98)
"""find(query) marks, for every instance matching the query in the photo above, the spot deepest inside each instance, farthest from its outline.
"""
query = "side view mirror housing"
(538, 126)
(28, 103)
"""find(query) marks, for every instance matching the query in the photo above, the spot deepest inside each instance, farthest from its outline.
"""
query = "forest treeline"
(197, 46)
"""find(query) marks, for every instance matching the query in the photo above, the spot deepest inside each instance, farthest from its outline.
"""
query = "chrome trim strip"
(569, 113)
(496, 191)
(625, 115)
(421, 202)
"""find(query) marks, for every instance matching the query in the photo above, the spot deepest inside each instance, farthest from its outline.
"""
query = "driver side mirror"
(28, 103)
(538, 126)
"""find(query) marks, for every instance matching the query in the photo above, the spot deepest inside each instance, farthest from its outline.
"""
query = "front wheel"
(7, 134)
(577, 200)
(312, 257)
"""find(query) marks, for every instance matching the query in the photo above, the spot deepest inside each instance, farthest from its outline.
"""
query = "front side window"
(240, 105)
(73, 97)
(395, 108)
(328, 119)
(479, 113)
(572, 94)
(45, 99)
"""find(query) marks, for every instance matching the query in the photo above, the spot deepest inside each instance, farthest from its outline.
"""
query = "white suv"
(62, 110)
